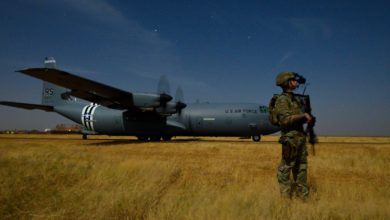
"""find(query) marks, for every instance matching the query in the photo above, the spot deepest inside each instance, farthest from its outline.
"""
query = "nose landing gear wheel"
(166, 137)
(142, 138)
(256, 138)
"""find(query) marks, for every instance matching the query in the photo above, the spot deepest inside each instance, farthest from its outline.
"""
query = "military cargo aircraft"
(148, 116)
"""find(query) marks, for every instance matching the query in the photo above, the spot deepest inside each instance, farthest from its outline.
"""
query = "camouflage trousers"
(297, 166)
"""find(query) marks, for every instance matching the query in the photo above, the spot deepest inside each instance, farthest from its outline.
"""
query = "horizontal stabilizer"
(28, 106)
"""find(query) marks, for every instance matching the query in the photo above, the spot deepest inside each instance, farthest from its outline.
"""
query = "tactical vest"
(292, 105)
(273, 117)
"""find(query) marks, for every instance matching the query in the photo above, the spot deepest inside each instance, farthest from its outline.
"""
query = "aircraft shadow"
(108, 142)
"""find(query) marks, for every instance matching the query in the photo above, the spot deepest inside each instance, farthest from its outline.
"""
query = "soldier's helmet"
(283, 77)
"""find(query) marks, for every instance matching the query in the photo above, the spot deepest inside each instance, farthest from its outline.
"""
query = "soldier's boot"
(285, 192)
(302, 192)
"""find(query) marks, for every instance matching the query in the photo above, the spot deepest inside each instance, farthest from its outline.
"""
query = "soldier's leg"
(301, 175)
(295, 169)
(283, 175)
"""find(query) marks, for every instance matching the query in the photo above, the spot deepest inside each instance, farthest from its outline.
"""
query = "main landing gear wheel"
(166, 137)
(155, 138)
(142, 138)
(256, 138)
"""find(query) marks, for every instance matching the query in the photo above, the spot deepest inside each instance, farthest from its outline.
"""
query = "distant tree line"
(59, 129)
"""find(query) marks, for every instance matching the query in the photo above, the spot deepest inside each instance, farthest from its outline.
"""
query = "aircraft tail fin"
(52, 94)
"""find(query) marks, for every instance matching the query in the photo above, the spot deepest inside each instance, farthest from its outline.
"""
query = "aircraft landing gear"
(256, 138)
(166, 137)
(155, 138)
(142, 138)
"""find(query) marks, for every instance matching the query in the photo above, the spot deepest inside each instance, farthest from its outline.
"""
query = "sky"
(217, 51)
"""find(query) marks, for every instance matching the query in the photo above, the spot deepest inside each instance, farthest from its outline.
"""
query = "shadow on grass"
(108, 142)
(112, 141)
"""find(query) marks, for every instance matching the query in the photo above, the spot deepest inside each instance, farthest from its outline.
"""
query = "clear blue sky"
(218, 51)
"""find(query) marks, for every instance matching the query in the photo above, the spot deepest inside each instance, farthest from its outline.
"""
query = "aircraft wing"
(28, 106)
(84, 88)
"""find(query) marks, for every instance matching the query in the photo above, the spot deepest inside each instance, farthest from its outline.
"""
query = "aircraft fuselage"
(199, 119)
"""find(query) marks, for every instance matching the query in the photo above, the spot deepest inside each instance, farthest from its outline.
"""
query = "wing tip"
(20, 71)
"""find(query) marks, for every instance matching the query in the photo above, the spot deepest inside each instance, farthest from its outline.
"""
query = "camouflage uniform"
(294, 151)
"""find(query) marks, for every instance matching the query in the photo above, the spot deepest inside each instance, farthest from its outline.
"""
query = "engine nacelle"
(171, 108)
(150, 100)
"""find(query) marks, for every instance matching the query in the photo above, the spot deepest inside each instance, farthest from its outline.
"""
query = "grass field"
(64, 177)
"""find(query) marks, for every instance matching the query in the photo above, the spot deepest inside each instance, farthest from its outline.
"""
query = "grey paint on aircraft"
(146, 115)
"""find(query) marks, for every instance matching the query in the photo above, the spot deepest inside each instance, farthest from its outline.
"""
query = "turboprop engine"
(149, 101)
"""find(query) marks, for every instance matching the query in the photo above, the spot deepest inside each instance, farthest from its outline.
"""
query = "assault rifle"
(311, 136)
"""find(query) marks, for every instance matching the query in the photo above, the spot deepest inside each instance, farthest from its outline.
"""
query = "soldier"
(291, 117)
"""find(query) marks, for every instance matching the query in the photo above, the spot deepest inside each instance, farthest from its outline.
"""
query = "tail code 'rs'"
(52, 94)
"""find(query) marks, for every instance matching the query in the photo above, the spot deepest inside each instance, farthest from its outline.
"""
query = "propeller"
(164, 90)
(179, 99)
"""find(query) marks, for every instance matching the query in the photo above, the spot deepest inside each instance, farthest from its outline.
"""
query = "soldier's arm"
(285, 115)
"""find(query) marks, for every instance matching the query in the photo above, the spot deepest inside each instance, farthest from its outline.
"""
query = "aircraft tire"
(166, 137)
(142, 138)
(256, 138)
(85, 137)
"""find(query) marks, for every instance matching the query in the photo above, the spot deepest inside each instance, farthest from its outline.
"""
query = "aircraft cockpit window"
(263, 109)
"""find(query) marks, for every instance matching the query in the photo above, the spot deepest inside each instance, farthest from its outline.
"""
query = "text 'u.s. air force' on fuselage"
(103, 109)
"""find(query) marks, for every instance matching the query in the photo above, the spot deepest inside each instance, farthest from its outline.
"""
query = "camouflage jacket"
(287, 105)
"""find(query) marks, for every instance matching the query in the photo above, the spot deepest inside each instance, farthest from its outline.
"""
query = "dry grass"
(63, 177)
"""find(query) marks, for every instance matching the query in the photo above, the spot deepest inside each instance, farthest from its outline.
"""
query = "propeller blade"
(163, 85)
(180, 106)
(179, 98)
(179, 95)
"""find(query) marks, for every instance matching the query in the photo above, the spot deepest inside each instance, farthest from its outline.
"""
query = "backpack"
(273, 117)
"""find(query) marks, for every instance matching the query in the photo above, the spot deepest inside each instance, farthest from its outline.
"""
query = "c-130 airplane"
(148, 116)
